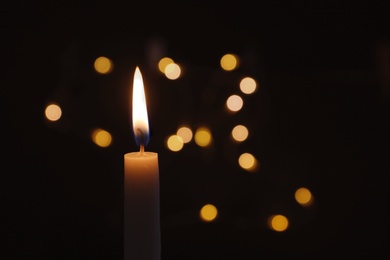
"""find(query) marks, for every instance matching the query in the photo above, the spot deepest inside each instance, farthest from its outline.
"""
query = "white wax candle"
(142, 211)
(141, 188)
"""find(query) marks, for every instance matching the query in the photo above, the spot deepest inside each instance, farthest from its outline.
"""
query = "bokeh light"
(208, 213)
(248, 162)
(172, 71)
(203, 136)
(240, 133)
(248, 85)
(163, 63)
(53, 112)
(303, 196)
(101, 137)
(234, 103)
(185, 133)
(278, 223)
(103, 65)
(175, 143)
(229, 62)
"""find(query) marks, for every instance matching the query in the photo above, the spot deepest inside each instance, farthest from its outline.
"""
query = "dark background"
(319, 119)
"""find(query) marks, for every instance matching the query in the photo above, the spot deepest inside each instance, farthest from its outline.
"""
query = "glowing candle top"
(140, 113)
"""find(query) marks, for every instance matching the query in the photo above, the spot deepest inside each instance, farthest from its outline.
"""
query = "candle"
(141, 187)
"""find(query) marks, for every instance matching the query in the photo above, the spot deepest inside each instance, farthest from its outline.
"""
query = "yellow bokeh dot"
(229, 62)
(208, 213)
(203, 136)
(163, 63)
(53, 112)
(278, 223)
(303, 196)
(175, 143)
(248, 162)
(234, 103)
(248, 85)
(103, 65)
(172, 71)
(101, 137)
(185, 133)
(240, 133)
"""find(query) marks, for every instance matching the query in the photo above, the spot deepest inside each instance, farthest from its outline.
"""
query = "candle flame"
(140, 113)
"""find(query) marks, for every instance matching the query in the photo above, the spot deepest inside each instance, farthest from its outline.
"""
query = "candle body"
(141, 207)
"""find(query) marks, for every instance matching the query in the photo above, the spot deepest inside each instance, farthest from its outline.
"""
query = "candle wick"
(142, 141)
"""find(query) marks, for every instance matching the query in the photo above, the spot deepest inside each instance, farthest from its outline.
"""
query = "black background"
(319, 120)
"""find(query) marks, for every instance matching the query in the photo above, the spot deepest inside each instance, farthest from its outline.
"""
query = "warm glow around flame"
(140, 113)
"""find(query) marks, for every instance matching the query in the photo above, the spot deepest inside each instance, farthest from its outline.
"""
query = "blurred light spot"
(240, 133)
(203, 136)
(278, 223)
(234, 103)
(229, 62)
(172, 71)
(248, 162)
(175, 143)
(303, 196)
(248, 85)
(101, 137)
(208, 212)
(53, 112)
(103, 65)
(163, 63)
(185, 133)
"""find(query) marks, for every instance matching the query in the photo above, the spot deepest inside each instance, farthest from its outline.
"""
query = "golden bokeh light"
(240, 133)
(203, 136)
(53, 112)
(303, 196)
(175, 143)
(208, 213)
(163, 63)
(278, 223)
(248, 162)
(234, 103)
(229, 62)
(185, 133)
(101, 137)
(103, 65)
(172, 71)
(248, 85)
